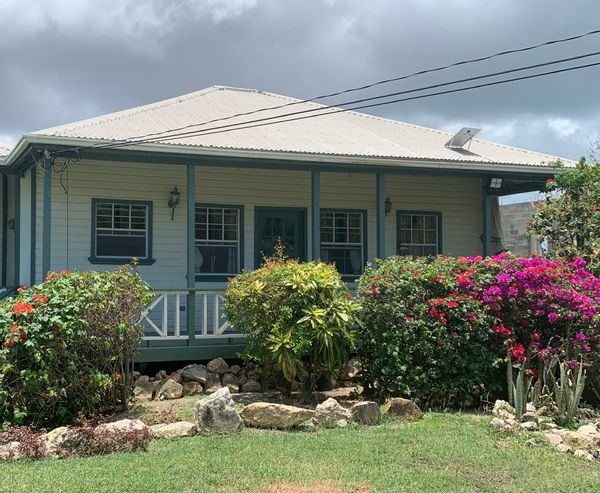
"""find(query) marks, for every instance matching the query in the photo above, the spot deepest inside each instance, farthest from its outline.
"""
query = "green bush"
(297, 316)
(68, 346)
(423, 336)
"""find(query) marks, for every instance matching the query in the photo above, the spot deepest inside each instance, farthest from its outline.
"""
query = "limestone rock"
(213, 383)
(217, 414)
(330, 414)
(218, 365)
(10, 451)
(404, 408)
(503, 410)
(561, 447)
(228, 378)
(172, 430)
(586, 435)
(269, 415)
(529, 426)
(366, 413)
(233, 388)
(169, 390)
(160, 375)
(235, 369)
(191, 388)
(553, 438)
(195, 373)
(499, 423)
(59, 441)
(176, 377)
(143, 389)
(251, 386)
(532, 442)
(121, 427)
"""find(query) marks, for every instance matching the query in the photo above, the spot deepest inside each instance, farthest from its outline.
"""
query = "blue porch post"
(315, 191)
(47, 218)
(4, 227)
(17, 230)
(191, 252)
(380, 208)
(486, 237)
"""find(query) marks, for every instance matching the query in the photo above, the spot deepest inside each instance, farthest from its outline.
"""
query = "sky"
(66, 60)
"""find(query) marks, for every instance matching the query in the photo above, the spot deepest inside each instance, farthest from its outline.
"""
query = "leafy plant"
(68, 346)
(298, 317)
(519, 390)
(567, 392)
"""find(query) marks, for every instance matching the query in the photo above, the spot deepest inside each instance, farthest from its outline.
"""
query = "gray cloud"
(66, 60)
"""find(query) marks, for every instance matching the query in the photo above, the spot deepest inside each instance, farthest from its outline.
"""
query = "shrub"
(68, 345)
(426, 334)
(298, 317)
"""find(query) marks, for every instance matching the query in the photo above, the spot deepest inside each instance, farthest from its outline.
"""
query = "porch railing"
(166, 316)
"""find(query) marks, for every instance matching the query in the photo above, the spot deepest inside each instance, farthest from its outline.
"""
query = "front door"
(273, 224)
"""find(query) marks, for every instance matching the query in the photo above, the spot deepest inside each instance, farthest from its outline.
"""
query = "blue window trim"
(365, 238)
(204, 277)
(426, 213)
(93, 259)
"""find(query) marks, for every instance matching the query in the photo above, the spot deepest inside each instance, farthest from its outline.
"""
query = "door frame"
(303, 215)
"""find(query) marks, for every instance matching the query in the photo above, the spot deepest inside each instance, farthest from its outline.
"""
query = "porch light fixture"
(174, 199)
(496, 183)
(388, 205)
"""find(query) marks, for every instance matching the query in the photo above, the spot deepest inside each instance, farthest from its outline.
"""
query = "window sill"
(119, 261)
(214, 278)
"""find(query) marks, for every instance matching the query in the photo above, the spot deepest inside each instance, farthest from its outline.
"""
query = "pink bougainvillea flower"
(580, 336)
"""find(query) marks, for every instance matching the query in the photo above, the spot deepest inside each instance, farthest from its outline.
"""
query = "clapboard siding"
(458, 199)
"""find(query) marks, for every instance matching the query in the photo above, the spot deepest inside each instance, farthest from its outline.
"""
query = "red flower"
(502, 331)
(22, 335)
(437, 279)
(22, 308)
(517, 353)
(44, 299)
(14, 329)
(21, 289)
(9, 343)
(117, 375)
(372, 289)
(452, 304)
(349, 297)
(407, 318)
(549, 181)
(472, 316)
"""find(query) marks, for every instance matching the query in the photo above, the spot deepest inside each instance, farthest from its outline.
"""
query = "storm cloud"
(65, 60)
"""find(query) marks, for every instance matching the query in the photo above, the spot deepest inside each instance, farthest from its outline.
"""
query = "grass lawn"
(442, 452)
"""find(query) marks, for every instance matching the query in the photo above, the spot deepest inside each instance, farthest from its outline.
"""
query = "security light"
(496, 183)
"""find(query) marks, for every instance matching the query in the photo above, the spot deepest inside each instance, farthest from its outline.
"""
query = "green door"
(287, 225)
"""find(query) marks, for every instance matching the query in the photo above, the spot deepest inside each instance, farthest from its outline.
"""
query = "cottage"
(197, 197)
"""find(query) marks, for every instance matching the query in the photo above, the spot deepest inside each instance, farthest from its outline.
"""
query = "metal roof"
(342, 134)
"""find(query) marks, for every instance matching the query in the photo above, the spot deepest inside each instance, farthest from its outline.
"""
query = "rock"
(228, 378)
(121, 427)
(176, 377)
(404, 408)
(269, 415)
(60, 441)
(194, 373)
(532, 442)
(500, 423)
(235, 369)
(583, 454)
(503, 410)
(172, 430)
(213, 383)
(250, 397)
(511, 425)
(143, 378)
(366, 413)
(10, 451)
(241, 379)
(251, 386)
(218, 365)
(330, 414)
(561, 447)
(586, 435)
(160, 375)
(529, 426)
(217, 414)
(191, 388)
(553, 438)
(233, 388)
(351, 372)
(169, 390)
(143, 389)
(324, 383)
(548, 425)
(530, 417)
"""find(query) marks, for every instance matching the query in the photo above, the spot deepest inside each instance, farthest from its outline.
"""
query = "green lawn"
(440, 453)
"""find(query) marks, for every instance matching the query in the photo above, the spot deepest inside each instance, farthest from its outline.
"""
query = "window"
(121, 230)
(218, 240)
(343, 240)
(419, 233)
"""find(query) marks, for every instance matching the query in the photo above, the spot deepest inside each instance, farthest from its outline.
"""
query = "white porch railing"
(166, 317)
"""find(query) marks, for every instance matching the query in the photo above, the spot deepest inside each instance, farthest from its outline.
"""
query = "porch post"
(191, 252)
(486, 237)
(4, 227)
(47, 218)
(315, 191)
(380, 215)
(33, 219)
(17, 231)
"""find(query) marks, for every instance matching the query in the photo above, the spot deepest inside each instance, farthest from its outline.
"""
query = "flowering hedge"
(67, 345)
(437, 329)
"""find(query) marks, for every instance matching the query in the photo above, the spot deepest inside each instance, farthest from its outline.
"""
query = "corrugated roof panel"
(341, 134)
(4, 149)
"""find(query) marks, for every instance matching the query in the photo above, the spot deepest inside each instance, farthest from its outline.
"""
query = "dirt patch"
(316, 487)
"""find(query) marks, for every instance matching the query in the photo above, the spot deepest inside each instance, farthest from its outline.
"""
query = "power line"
(247, 124)
(370, 85)
(421, 96)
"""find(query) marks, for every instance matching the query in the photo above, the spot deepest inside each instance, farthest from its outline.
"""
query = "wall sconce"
(496, 183)
(174, 199)
(388, 205)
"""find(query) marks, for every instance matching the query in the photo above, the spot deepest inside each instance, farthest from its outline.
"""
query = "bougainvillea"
(529, 309)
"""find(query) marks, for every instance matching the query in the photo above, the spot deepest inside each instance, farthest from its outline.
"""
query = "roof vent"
(461, 137)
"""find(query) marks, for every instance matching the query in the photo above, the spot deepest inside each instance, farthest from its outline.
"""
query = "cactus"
(567, 393)
(520, 392)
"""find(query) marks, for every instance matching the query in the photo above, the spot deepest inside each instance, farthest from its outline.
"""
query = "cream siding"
(458, 199)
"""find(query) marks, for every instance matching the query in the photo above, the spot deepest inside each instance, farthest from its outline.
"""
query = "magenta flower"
(580, 336)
